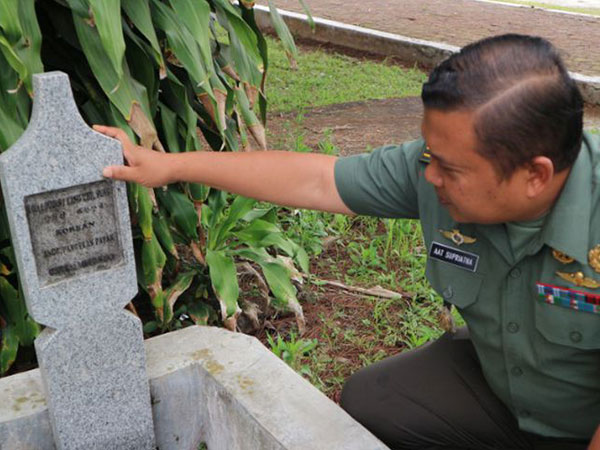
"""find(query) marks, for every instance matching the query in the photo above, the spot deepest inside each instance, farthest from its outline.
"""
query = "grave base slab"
(210, 386)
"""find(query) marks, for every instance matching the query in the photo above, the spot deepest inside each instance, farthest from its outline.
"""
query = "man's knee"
(353, 395)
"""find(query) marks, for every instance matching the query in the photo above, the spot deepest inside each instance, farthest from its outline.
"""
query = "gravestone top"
(71, 229)
(72, 240)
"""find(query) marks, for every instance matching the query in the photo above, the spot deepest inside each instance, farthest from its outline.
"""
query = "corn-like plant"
(180, 75)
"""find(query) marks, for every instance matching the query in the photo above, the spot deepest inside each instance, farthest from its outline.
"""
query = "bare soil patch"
(359, 126)
(356, 127)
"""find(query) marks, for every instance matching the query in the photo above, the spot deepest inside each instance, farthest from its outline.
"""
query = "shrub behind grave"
(176, 75)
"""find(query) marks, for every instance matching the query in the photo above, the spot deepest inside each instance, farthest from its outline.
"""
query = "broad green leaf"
(169, 126)
(181, 211)
(284, 34)
(80, 7)
(29, 48)
(163, 233)
(239, 207)
(223, 277)
(181, 284)
(175, 96)
(138, 12)
(9, 20)
(150, 327)
(198, 192)
(142, 65)
(217, 200)
(123, 90)
(199, 312)
(13, 59)
(195, 15)
(25, 329)
(183, 45)
(144, 211)
(107, 16)
(249, 17)
(153, 260)
(9, 347)
(243, 43)
(278, 279)
(10, 130)
(311, 21)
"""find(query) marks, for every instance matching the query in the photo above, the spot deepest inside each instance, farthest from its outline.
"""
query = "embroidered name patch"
(460, 258)
(569, 298)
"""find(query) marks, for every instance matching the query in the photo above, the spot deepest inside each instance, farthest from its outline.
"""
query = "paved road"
(458, 22)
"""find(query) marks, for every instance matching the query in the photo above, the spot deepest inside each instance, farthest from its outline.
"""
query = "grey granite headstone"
(72, 240)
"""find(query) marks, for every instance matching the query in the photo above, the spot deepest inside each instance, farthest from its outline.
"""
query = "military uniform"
(529, 292)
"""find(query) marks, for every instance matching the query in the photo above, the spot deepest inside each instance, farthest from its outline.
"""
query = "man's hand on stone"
(144, 166)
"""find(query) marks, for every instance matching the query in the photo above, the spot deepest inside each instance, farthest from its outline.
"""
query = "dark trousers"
(435, 397)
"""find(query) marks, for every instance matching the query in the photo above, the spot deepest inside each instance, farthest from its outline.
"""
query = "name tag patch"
(460, 258)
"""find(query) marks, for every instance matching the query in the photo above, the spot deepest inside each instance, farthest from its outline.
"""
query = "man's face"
(465, 182)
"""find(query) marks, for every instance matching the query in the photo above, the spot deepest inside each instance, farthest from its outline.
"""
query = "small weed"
(292, 351)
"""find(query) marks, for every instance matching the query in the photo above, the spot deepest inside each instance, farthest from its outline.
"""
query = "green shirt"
(538, 354)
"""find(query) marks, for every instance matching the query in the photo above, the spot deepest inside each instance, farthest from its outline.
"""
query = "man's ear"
(540, 172)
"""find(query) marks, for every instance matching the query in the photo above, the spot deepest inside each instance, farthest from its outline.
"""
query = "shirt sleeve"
(382, 183)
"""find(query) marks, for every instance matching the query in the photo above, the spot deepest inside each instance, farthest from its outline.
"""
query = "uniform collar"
(567, 227)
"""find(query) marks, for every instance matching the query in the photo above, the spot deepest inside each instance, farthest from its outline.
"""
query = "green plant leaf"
(199, 312)
(24, 327)
(10, 21)
(238, 209)
(182, 44)
(181, 211)
(107, 16)
(195, 15)
(284, 34)
(223, 277)
(8, 348)
(163, 233)
(138, 12)
(181, 284)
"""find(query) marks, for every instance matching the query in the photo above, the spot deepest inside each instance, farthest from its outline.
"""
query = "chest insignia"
(594, 258)
(568, 298)
(562, 257)
(457, 237)
(578, 279)
(425, 156)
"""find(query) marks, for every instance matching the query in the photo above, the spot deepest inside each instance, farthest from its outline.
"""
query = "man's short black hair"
(524, 100)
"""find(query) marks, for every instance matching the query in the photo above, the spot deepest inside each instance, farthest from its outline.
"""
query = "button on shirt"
(540, 356)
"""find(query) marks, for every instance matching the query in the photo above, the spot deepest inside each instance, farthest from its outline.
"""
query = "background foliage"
(180, 75)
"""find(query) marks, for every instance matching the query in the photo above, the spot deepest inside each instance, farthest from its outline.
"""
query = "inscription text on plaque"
(73, 231)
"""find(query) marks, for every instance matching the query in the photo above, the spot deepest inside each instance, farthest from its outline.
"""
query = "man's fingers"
(113, 132)
(123, 173)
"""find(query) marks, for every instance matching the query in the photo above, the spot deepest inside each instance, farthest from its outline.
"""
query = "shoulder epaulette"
(425, 157)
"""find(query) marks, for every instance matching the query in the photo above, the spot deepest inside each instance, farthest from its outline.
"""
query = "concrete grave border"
(426, 53)
(207, 385)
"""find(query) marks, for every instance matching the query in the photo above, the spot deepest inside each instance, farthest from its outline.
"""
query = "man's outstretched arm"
(299, 180)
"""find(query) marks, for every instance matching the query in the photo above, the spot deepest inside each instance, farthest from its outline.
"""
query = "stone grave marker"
(72, 239)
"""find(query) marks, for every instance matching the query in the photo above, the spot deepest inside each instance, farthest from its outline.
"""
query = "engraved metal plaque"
(73, 231)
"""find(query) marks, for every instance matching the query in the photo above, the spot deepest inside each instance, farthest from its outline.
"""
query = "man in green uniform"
(506, 187)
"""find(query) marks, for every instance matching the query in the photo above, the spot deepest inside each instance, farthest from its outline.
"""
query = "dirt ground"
(356, 127)
(459, 22)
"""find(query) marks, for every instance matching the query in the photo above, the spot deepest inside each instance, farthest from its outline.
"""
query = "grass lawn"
(324, 78)
(591, 11)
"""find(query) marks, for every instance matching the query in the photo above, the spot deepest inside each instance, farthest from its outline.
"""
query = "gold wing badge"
(562, 257)
(594, 258)
(578, 279)
(457, 237)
